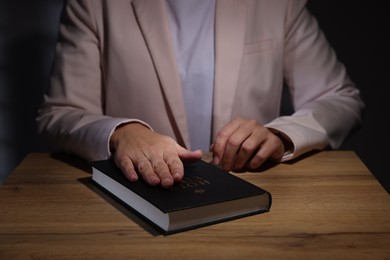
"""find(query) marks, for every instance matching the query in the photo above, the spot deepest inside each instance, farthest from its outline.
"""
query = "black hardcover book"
(205, 196)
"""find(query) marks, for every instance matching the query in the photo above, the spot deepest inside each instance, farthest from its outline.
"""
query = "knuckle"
(123, 162)
(248, 147)
(222, 134)
(233, 142)
(143, 166)
(157, 165)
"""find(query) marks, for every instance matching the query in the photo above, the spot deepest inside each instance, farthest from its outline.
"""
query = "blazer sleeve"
(327, 103)
(71, 117)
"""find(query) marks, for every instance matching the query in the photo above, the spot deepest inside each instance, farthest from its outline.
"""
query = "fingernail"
(176, 176)
(154, 181)
(133, 177)
(167, 182)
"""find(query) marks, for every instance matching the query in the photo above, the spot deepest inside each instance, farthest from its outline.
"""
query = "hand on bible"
(157, 158)
(245, 144)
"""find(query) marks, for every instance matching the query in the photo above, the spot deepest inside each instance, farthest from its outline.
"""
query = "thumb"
(187, 155)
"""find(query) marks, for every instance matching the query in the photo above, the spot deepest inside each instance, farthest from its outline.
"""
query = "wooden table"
(326, 206)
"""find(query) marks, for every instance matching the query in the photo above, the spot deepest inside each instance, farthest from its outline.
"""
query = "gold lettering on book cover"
(195, 182)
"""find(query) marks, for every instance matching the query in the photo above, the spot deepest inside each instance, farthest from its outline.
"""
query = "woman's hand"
(245, 144)
(157, 158)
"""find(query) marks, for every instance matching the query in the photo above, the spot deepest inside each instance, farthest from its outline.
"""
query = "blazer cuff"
(302, 134)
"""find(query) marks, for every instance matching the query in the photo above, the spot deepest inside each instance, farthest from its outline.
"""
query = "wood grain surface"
(325, 206)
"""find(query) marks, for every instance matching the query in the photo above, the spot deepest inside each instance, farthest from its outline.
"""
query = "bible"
(205, 196)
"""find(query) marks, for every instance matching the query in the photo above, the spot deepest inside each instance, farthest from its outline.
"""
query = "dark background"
(357, 30)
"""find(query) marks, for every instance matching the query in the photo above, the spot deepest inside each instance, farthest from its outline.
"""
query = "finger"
(231, 150)
(175, 166)
(219, 145)
(127, 167)
(187, 155)
(248, 148)
(234, 144)
(146, 170)
(162, 170)
(272, 148)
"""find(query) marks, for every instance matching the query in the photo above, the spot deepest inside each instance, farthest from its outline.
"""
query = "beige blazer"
(115, 63)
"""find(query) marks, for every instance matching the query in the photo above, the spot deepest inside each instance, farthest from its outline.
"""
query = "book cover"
(206, 195)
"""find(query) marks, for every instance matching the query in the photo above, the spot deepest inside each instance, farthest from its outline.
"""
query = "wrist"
(121, 132)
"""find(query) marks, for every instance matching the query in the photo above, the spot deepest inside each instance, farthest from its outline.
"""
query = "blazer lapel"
(229, 41)
(153, 20)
